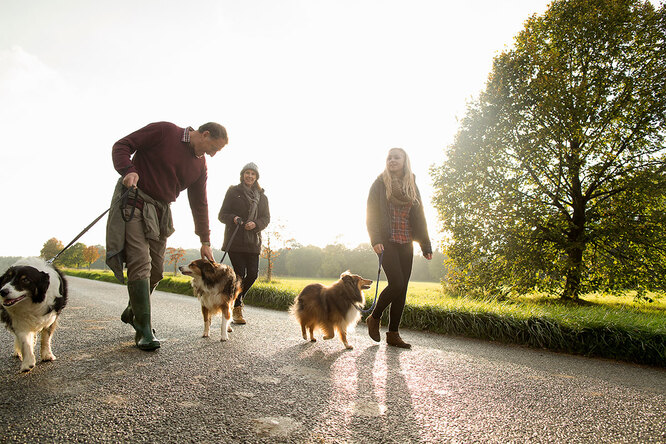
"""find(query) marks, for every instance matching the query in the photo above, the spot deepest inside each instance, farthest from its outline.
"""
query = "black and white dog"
(33, 295)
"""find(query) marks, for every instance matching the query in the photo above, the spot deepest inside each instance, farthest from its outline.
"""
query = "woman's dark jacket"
(236, 204)
(378, 218)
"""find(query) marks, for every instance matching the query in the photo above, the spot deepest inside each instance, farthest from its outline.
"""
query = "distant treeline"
(6, 262)
(308, 261)
(330, 261)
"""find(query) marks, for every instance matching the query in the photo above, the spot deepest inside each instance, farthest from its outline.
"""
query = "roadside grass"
(599, 325)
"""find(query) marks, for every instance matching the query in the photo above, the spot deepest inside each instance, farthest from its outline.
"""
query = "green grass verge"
(603, 326)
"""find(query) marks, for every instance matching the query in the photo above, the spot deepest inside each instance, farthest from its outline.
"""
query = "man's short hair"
(216, 130)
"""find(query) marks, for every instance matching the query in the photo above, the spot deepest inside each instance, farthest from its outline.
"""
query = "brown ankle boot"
(373, 328)
(393, 338)
(238, 315)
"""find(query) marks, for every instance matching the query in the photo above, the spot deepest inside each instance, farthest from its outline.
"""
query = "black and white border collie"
(33, 295)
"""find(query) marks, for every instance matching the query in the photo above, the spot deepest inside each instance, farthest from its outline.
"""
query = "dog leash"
(50, 261)
(124, 199)
(379, 271)
(231, 239)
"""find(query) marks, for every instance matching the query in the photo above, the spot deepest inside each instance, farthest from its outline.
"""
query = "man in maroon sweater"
(157, 162)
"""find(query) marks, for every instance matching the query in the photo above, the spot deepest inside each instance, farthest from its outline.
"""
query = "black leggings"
(246, 267)
(397, 264)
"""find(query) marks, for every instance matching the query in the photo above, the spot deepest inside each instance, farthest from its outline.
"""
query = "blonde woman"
(395, 219)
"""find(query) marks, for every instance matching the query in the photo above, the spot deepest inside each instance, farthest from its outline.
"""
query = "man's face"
(211, 146)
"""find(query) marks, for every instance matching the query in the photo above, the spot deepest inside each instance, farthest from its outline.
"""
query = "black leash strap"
(379, 271)
(124, 199)
(231, 239)
(50, 261)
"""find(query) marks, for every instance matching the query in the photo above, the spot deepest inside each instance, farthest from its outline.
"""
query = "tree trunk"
(576, 235)
(574, 271)
(269, 269)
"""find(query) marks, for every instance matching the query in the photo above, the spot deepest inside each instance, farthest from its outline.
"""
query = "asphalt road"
(266, 384)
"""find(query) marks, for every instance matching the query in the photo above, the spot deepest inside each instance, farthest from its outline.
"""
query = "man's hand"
(130, 180)
(379, 248)
(207, 253)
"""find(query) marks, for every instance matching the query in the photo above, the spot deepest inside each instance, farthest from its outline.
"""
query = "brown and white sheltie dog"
(33, 295)
(216, 287)
(336, 307)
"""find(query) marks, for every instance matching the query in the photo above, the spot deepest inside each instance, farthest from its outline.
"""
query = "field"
(421, 292)
(431, 294)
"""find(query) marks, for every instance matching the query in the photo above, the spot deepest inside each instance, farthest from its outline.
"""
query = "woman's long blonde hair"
(408, 183)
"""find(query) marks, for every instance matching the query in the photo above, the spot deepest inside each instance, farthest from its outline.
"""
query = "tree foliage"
(173, 256)
(51, 248)
(274, 242)
(555, 178)
(91, 254)
(73, 256)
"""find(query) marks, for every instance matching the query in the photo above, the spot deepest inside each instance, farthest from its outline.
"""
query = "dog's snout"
(4, 292)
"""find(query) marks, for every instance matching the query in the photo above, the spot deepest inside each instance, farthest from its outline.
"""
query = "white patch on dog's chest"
(26, 319)
(207, 298)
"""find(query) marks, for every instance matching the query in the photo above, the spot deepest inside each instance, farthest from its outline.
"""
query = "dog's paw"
(313, 340)
(25, 368)
(224, 338)
(205, 335)
(229, 329)
(49, 357)
(349, 347)
(329, 337)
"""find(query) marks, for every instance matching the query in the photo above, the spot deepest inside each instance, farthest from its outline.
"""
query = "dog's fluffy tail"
(233, 287)
(296, 308)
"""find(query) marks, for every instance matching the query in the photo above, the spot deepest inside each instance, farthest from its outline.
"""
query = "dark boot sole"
(148, 347)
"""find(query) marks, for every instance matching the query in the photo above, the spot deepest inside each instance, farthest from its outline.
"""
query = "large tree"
(555, 178)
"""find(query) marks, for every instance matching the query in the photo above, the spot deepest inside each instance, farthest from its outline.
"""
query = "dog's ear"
(41, 286)
(345, 273)
(348, 279)
(207, 268)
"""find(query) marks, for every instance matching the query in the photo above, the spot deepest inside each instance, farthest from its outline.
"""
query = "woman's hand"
(379, 248)
(250, 225)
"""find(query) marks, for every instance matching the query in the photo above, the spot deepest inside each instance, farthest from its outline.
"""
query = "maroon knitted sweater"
(166, 166)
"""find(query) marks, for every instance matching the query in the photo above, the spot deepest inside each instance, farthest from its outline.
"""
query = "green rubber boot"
(139, 294)
(128, 315)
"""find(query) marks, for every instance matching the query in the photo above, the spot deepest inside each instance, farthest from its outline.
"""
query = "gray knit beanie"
(250, 166)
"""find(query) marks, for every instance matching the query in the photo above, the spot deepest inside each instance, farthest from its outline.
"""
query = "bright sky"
(314, 92)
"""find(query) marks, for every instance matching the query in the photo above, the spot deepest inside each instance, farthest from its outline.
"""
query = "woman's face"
(395, 162)
(249, 177)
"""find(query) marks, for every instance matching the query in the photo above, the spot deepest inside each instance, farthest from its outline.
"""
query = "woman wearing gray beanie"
(244, 204)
